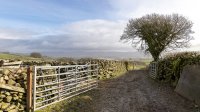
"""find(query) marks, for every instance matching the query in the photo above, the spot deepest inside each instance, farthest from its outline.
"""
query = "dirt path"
(135, 92)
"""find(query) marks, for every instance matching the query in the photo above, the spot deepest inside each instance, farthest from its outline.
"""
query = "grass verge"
(80, 103)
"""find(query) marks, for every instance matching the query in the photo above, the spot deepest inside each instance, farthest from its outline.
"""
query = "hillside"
(8, 56)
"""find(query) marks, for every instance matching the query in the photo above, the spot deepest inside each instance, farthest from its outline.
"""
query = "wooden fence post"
(29, 106)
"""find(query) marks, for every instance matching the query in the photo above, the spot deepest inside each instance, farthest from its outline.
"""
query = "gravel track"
(136, 92)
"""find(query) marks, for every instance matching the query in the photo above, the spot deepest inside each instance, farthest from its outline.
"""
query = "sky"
(82, 28)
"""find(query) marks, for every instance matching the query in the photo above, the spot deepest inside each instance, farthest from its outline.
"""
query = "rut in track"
(136, 92)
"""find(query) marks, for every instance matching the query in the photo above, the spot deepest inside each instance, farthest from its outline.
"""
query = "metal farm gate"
(52, 84)
(153, 68)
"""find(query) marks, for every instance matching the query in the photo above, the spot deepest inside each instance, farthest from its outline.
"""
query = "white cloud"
(9, 33)
(86, 36)
(97, 34)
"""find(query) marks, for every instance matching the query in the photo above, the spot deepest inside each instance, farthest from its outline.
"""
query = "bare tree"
(154, 33)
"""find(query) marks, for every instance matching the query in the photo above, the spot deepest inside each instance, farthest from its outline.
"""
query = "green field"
(6, 56)
(15, 57)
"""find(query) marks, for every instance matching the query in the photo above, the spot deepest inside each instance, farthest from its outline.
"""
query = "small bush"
(35, 55)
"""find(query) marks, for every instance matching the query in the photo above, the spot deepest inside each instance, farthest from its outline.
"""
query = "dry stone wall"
(111, 68)
(107, 68)
(12, 91)
(13, 82)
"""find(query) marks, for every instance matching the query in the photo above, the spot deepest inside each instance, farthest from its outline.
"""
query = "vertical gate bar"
(34, 88)
(76, 77)
(59, 83)
(97, 75)
(156, 70)
(87, 77)
(67, 80)
(90, 72)
(152, 69)
(29, 90)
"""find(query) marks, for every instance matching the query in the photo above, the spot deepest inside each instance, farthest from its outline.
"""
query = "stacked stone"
(14, 77)
(12, 101)
(109, 68)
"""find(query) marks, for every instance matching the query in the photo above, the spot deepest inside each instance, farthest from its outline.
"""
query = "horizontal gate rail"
(52, 84)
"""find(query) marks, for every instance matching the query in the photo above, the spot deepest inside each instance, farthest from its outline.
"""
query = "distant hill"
(12, 56)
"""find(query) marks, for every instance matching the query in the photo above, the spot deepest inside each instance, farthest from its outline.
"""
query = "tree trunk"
(156, 56)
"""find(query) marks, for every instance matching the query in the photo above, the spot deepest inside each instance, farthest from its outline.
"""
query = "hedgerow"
(171, 66)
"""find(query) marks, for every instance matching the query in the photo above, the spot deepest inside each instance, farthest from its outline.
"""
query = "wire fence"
(52, 84)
